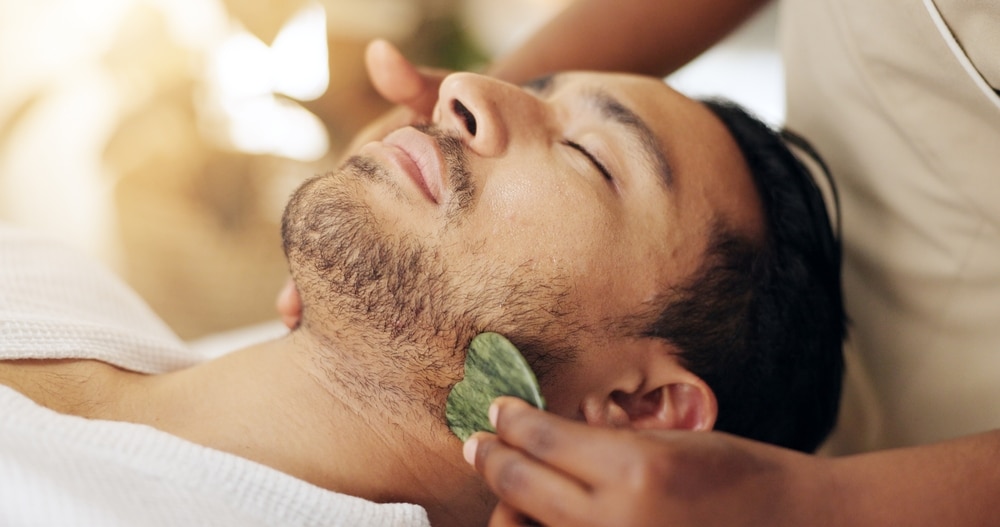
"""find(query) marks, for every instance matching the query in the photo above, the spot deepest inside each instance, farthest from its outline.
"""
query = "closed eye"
(593, 160)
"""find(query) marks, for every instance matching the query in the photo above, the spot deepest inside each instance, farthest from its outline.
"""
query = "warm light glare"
(74, 73)
(299, 55)
(271, 125)
(246, 74)
(241, 69)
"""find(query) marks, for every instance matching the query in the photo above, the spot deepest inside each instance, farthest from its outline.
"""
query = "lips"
(418, 155)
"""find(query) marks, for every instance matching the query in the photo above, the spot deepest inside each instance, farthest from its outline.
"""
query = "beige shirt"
(899, 97)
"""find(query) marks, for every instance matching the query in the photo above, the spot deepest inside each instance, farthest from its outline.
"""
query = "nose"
(485, 112)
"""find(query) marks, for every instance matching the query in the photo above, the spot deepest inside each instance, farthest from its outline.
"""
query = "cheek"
(600, 367)
(545, 217)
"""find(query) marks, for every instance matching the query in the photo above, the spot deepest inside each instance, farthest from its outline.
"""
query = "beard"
(392, 314)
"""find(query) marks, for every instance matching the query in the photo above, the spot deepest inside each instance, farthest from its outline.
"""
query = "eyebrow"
(614, 110)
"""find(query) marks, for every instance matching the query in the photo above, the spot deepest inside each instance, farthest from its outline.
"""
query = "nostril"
(466, 115)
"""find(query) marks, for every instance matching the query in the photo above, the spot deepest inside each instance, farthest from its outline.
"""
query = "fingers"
(588, 453)
(395, 119)
(527, 485)
(506, 516)
(399, 81)
(393, 76)
(289, 305)
(414, 89)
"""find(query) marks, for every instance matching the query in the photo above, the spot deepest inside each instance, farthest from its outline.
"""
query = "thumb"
(399, 81)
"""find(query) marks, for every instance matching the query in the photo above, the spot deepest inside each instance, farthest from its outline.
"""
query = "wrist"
(815, 494)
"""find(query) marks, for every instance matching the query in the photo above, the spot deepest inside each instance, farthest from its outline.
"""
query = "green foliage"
(443, 42)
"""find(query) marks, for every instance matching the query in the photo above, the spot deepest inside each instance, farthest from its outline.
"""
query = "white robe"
(65, 470)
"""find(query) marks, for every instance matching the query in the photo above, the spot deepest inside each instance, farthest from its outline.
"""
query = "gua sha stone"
(493, 367)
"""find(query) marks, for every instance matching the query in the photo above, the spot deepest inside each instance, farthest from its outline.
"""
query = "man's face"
(560, 214)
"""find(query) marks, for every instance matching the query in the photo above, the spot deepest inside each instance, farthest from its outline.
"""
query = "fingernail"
(494, 410)
(469, 450)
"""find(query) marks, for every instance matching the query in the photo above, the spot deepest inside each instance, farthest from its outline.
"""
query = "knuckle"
(540, 438)
(648, 470)
(483, 454)
(511, 479)
(641, 474)
(533, 432)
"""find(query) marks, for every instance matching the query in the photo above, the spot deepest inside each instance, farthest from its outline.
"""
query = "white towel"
(56, 303)
(64, 470)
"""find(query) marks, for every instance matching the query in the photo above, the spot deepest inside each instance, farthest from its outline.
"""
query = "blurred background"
(164, 136)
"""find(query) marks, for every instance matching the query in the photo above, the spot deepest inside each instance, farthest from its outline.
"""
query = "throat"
(264, 404)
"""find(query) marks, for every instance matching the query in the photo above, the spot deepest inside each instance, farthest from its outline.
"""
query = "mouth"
(419, 157)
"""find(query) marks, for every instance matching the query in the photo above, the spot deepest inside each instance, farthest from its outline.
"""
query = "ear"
(681, 402)
(289, 305)
(684, 405)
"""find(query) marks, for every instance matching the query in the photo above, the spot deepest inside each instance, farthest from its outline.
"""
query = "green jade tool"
(493, 367)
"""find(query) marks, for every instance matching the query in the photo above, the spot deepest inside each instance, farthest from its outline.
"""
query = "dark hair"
(762, 322)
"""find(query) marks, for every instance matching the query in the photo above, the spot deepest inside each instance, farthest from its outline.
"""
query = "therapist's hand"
(413, 89)
(565, 473)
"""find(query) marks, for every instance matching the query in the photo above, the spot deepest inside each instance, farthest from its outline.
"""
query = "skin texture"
(563, 473)
(952, 483)
(588, 267)
(509, 226)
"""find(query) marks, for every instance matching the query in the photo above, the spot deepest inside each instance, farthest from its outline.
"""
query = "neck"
(303, 423)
